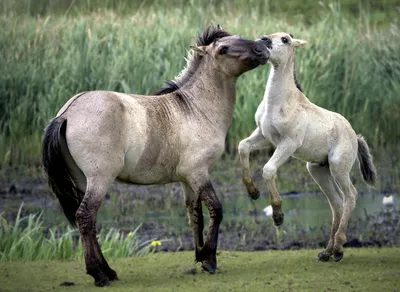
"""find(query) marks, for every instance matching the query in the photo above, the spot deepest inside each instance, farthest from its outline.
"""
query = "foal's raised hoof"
(255, 194)
(337, 256)
(278, 219)
(323, 257)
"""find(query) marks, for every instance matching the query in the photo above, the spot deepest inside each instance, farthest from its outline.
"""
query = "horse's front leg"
(195, 216)
(283, 151)
(255, 141)
(206, 193)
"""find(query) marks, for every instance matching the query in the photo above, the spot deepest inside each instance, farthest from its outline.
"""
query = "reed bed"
(26, 239)
(48, 54)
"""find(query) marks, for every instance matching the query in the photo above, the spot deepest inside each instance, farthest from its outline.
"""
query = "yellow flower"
(130, 235)
(155, 243)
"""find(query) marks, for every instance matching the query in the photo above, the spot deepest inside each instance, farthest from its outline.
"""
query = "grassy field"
(360, 270)
(49, 51)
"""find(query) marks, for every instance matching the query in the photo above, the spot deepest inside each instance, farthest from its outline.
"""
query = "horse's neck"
(280, 82)
(214, 94)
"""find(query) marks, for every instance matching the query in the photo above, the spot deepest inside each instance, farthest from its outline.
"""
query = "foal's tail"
(366, 165)
(55, 152)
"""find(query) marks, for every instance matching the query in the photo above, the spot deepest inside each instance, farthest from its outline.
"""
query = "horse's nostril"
(257, 50)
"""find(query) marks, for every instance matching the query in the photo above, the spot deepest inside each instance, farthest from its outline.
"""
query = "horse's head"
(283, 45)
(234, 55)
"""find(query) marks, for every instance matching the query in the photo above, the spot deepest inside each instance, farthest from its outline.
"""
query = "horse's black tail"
(54, 163)
(366, 165)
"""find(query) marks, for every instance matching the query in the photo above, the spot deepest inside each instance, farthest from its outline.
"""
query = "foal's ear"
(199, 49)
(298, 43)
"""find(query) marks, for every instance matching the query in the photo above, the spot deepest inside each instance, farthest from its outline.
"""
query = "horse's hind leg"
(96, 265)
(195, 216)
(349, 203)
(255, 141)
(322, 176)
(340, 166)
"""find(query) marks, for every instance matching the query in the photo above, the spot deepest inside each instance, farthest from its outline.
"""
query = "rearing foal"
(175, 136)
(293, 126)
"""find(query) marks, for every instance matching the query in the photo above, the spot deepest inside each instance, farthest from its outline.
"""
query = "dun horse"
(174, 136)
(291, 125)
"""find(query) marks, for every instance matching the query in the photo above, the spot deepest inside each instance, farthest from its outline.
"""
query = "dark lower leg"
(87, 228)
(198, 226)
(104, 267)
(88, 236)
(208, 252)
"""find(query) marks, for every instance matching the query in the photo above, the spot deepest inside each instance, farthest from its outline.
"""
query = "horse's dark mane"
(207, 37)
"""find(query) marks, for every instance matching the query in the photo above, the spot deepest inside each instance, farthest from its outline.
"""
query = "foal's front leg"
(282, 153)
(255, 141)
(207, 254)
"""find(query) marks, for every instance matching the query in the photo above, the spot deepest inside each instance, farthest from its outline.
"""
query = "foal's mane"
(207, 37)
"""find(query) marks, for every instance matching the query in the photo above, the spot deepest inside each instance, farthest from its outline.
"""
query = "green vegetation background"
(53, 49)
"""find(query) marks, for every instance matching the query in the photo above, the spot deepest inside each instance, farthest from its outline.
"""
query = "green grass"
(360, 270)
(351, 64)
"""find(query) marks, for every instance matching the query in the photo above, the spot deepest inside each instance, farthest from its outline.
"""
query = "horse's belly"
(153, 176)
(146, 166)
(312, 153)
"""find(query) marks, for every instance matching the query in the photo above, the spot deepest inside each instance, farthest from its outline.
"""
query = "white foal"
(293, 126)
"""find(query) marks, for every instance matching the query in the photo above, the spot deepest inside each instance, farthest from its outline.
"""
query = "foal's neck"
(281, 82)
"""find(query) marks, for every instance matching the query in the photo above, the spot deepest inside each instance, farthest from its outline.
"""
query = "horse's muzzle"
(261, 51)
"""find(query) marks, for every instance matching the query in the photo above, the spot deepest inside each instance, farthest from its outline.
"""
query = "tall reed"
(349, 66)
(26, 239)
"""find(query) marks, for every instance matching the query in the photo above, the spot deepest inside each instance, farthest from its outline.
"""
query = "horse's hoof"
(209, 267)
(112, 276)
(254, 194)
(278, 219)
(102, 283)
(337, 256)
(323, 257)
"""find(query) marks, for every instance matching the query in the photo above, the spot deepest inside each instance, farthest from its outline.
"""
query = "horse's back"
(129, 137)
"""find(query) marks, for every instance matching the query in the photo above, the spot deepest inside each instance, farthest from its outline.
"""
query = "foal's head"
(283, 45)
(233, 55)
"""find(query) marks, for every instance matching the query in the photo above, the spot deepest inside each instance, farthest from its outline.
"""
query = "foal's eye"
(223, 50)
(284, 40)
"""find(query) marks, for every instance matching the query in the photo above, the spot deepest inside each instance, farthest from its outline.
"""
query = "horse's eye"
(223, 50)
(284, 40)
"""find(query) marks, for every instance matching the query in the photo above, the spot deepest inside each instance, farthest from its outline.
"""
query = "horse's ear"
(219, 27)
(298, 43)
(199, 49)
